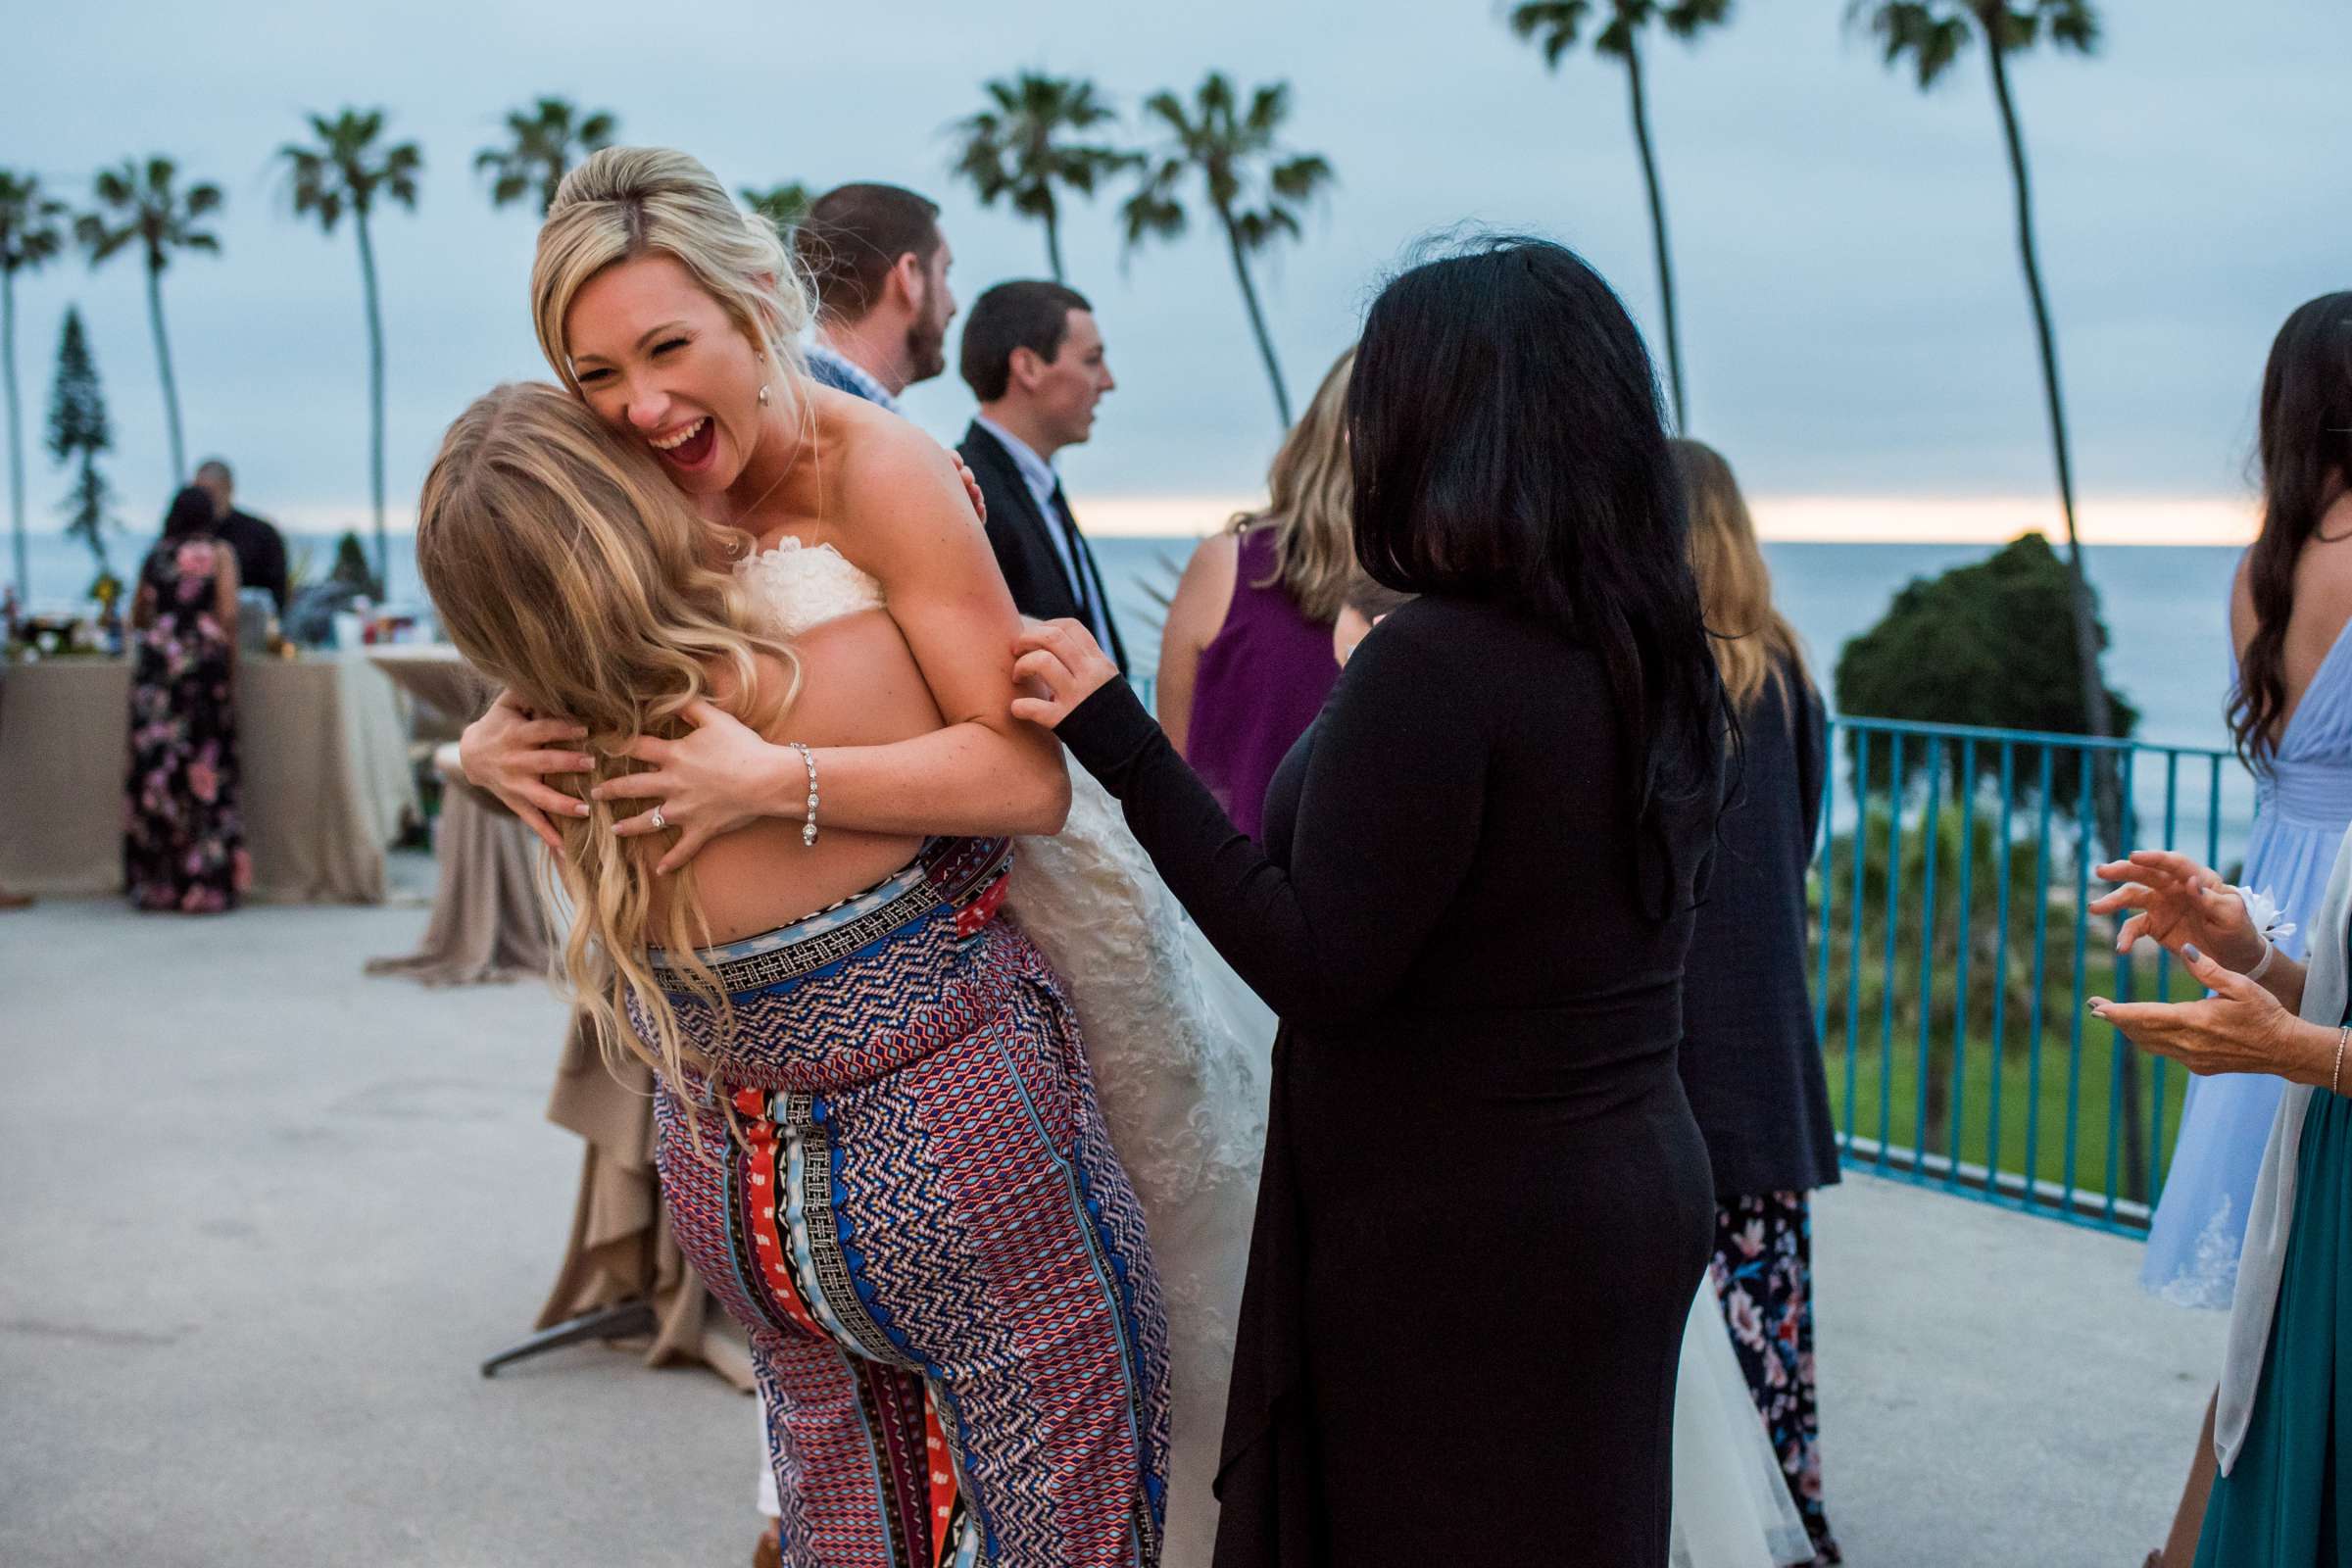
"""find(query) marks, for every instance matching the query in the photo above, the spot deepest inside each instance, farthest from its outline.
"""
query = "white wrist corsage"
(2265, 915)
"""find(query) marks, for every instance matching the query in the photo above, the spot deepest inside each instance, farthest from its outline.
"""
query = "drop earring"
(763, 394)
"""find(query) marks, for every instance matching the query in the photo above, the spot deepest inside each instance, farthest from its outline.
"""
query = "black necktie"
(1077, 548)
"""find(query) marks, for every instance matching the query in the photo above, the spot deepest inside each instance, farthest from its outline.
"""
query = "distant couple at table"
(1471, 909)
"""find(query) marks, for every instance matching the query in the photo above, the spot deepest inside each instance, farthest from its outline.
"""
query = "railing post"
(1931, 824)
(1894, 906)
(1966, 939)
(2041, 955)
(1853, 944)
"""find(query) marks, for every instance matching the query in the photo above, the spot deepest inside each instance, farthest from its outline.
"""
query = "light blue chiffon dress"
(2303, 804)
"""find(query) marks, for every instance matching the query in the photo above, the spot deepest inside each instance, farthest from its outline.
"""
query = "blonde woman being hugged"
(874, 1109)
(1244, 662)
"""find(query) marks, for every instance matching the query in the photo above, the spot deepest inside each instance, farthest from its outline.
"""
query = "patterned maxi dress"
(2303, 804)
(184, 840)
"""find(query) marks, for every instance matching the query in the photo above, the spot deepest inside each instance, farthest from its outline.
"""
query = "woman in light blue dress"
(2290, 714)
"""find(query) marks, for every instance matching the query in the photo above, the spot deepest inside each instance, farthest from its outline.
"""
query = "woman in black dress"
(1486, 1206)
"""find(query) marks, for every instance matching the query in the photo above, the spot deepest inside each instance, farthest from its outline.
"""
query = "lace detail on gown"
(795, 586)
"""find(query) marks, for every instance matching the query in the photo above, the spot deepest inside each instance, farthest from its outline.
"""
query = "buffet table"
(322, 741)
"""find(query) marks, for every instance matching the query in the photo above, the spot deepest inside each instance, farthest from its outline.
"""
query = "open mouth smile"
(689, 448)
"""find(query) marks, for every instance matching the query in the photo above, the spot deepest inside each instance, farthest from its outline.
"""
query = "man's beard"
(926, 348)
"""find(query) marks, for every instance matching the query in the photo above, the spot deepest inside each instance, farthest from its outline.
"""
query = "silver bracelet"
(807, 823)
(2270, 955)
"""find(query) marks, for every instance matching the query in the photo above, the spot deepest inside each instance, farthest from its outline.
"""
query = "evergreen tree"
(351, 570)
(80, 430)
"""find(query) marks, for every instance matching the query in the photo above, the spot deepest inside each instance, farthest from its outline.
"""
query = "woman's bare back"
(859, 686)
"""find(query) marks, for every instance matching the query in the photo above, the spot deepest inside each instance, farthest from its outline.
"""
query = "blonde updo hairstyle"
(565, 566)
(628, 201)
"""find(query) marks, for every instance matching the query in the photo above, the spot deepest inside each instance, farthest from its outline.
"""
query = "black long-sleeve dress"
(1751, 1060)
(1486, 1207)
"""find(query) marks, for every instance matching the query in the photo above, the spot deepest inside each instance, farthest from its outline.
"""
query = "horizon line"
(2102, 519)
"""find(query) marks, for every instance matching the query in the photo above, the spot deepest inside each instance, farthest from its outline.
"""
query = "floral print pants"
(1763, 1273)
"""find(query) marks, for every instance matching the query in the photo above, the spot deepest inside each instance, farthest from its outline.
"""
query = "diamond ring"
(657, 819)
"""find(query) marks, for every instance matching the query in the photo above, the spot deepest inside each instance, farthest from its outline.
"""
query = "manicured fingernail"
(2189, 952)
(581, 809)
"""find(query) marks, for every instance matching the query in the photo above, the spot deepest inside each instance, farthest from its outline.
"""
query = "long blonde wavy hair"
(566, 566)
(1754, 641)
(626, 202)
(1310, 504)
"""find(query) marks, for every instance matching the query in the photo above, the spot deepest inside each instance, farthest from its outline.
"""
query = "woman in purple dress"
(1244, 661)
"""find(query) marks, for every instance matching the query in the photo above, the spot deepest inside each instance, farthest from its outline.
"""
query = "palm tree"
(345, 170)
(32, 231)
(1014, 148)
(546, 140)
(1227, 144)
(783, 206)
(1557, 23)
(140, 203)
(1932, 33)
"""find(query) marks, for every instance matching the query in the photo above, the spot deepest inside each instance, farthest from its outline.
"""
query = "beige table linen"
(488, 921)
(447, 690)
(320, 743)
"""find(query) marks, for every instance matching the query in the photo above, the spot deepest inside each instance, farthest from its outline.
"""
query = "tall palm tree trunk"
(2106, 791)
(16, 437)
(375, 404)
(1657, 235)
(163, 361)
(1054, 243)
(1258, 317)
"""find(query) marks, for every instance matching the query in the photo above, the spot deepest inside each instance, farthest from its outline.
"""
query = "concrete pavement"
(260, 1216)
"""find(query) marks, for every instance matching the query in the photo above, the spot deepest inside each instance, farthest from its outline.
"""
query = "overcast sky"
(1852, 316)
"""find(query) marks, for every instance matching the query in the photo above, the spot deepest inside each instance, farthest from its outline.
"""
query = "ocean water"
(2165, 604)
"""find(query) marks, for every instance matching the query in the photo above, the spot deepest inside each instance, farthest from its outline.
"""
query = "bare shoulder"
(1204, 595)
(2241, 602)
(1216, 557)
(2323, 577)
(894, 483)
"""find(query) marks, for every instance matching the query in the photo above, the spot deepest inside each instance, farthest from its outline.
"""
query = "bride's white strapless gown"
(1182, 1058)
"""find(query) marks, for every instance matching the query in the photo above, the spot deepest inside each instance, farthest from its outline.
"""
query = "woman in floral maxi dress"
(183, 841)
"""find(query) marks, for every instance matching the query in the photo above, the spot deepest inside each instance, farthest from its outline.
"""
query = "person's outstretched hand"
(2181, 905)
(2241, 1028)
(1061, 660)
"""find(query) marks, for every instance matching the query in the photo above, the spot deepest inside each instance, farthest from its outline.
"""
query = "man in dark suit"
(260, 549)
(1033, 356)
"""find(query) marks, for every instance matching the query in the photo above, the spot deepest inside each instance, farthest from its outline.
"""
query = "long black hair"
(2306, 452)
(1509, 445)
(191, 513)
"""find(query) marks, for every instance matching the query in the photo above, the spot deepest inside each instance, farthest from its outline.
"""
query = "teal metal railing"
(1955, 958)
